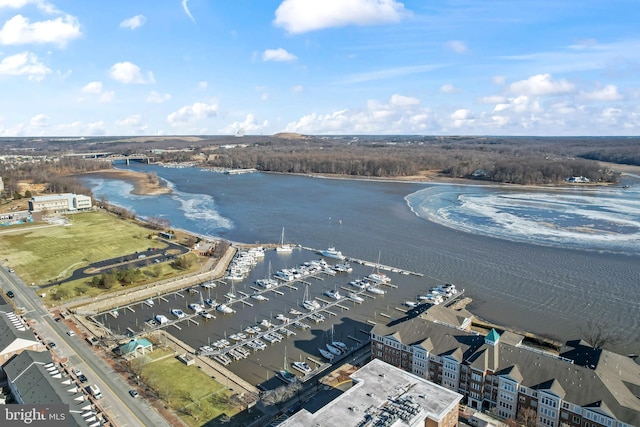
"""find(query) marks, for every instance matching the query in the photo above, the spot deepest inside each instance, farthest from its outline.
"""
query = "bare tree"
(597, 334)
(527, 417)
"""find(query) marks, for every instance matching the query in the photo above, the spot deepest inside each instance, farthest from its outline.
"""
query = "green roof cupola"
(492, 337)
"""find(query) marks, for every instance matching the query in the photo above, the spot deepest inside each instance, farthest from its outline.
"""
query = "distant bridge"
(112, 157)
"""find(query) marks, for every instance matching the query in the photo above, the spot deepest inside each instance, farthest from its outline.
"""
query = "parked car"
(95, 391)
(71, 333)
(133, 393)
(51, 344)
(10, 294)
(11, 270)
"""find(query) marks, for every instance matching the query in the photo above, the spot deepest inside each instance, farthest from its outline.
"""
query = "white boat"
(162, 319)
(375, 290)
(178, 313)
(302, 367)
(340, 346)
(311, 304)
(333, 293)
(207, 315)
(358, 284)
(223, 308)
(343, 268)
(196, 307)
(285, 274)
(259, 297)
(282, 318)
(211, 303)
(266, 324)
(326, 354)
(332, 253)
(286, 376)
(267, 283)
(149, 302)
(379, 278)
(355, 297)
(234, 276)
(411, 304)
(295, 312)
(336, 351)
(284, 247)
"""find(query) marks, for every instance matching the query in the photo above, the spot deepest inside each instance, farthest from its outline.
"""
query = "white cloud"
(185, 7)
(499, 80)
(96, 128)
(449, 88)
(403, 101)
(25, 63)
(127, 72)
(131, 121)
(297, 88)
(42, 5)
(390, 73)
(607, 93)
(157, 98)
(458, 46)
(39, 120)
(59, 31)
(541, 84)
(278, 55)
(203, 85)
(93, 87)
(300, 16)
(249, 125)
(192, 113)
(492, 99)
(106, 97)
(134, 22)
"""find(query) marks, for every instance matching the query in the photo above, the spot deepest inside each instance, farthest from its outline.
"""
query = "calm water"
(540, 261)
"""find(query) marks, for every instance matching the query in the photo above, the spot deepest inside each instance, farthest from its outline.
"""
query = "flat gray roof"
(380, 390)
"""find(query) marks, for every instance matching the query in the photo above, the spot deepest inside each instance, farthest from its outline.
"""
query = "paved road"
(123, 409)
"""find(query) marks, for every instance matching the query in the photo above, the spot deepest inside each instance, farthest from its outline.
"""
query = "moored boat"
(332, 253)
(333, 293)
(302, 367)
(223, 308)
(178, 313)
(326, 354)
(355, 297)
(286, 376)
(336, 351)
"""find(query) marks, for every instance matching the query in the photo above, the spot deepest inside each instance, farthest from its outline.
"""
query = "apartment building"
(579, 387)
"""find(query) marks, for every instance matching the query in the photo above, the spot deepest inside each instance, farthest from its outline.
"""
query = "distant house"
(480, 173)
(577, 179)
(135, 348)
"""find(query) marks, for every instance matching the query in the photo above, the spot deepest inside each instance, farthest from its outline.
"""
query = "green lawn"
(191, 393)
(43, 254)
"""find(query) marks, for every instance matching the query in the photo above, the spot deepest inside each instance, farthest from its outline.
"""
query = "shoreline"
(144, 187)
(142, 182)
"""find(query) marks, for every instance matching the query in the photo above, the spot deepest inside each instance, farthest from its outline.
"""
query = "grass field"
(191, 393)
(43, 254)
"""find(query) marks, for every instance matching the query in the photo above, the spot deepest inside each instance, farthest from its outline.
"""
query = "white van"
(95, 390)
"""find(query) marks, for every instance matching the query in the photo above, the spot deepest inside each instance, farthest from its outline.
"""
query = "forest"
(516, 160)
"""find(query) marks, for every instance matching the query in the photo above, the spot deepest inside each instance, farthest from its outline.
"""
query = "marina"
(312, 307)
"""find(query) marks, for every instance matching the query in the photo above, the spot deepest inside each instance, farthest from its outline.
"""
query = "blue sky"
(441, 67)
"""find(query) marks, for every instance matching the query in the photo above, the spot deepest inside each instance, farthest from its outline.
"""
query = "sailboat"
(338, 344)
(284, 374)
(268, 282)
(309, 304)
(376, 276)
(284, 247)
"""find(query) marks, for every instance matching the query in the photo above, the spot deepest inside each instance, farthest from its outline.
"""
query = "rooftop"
(382, 392)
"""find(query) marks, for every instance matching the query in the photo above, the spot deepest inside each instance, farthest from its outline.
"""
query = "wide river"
(541, 260)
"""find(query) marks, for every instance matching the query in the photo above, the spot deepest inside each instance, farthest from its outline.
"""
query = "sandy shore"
(143, 184)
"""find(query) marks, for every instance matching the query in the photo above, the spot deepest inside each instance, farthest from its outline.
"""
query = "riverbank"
(143, 184)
